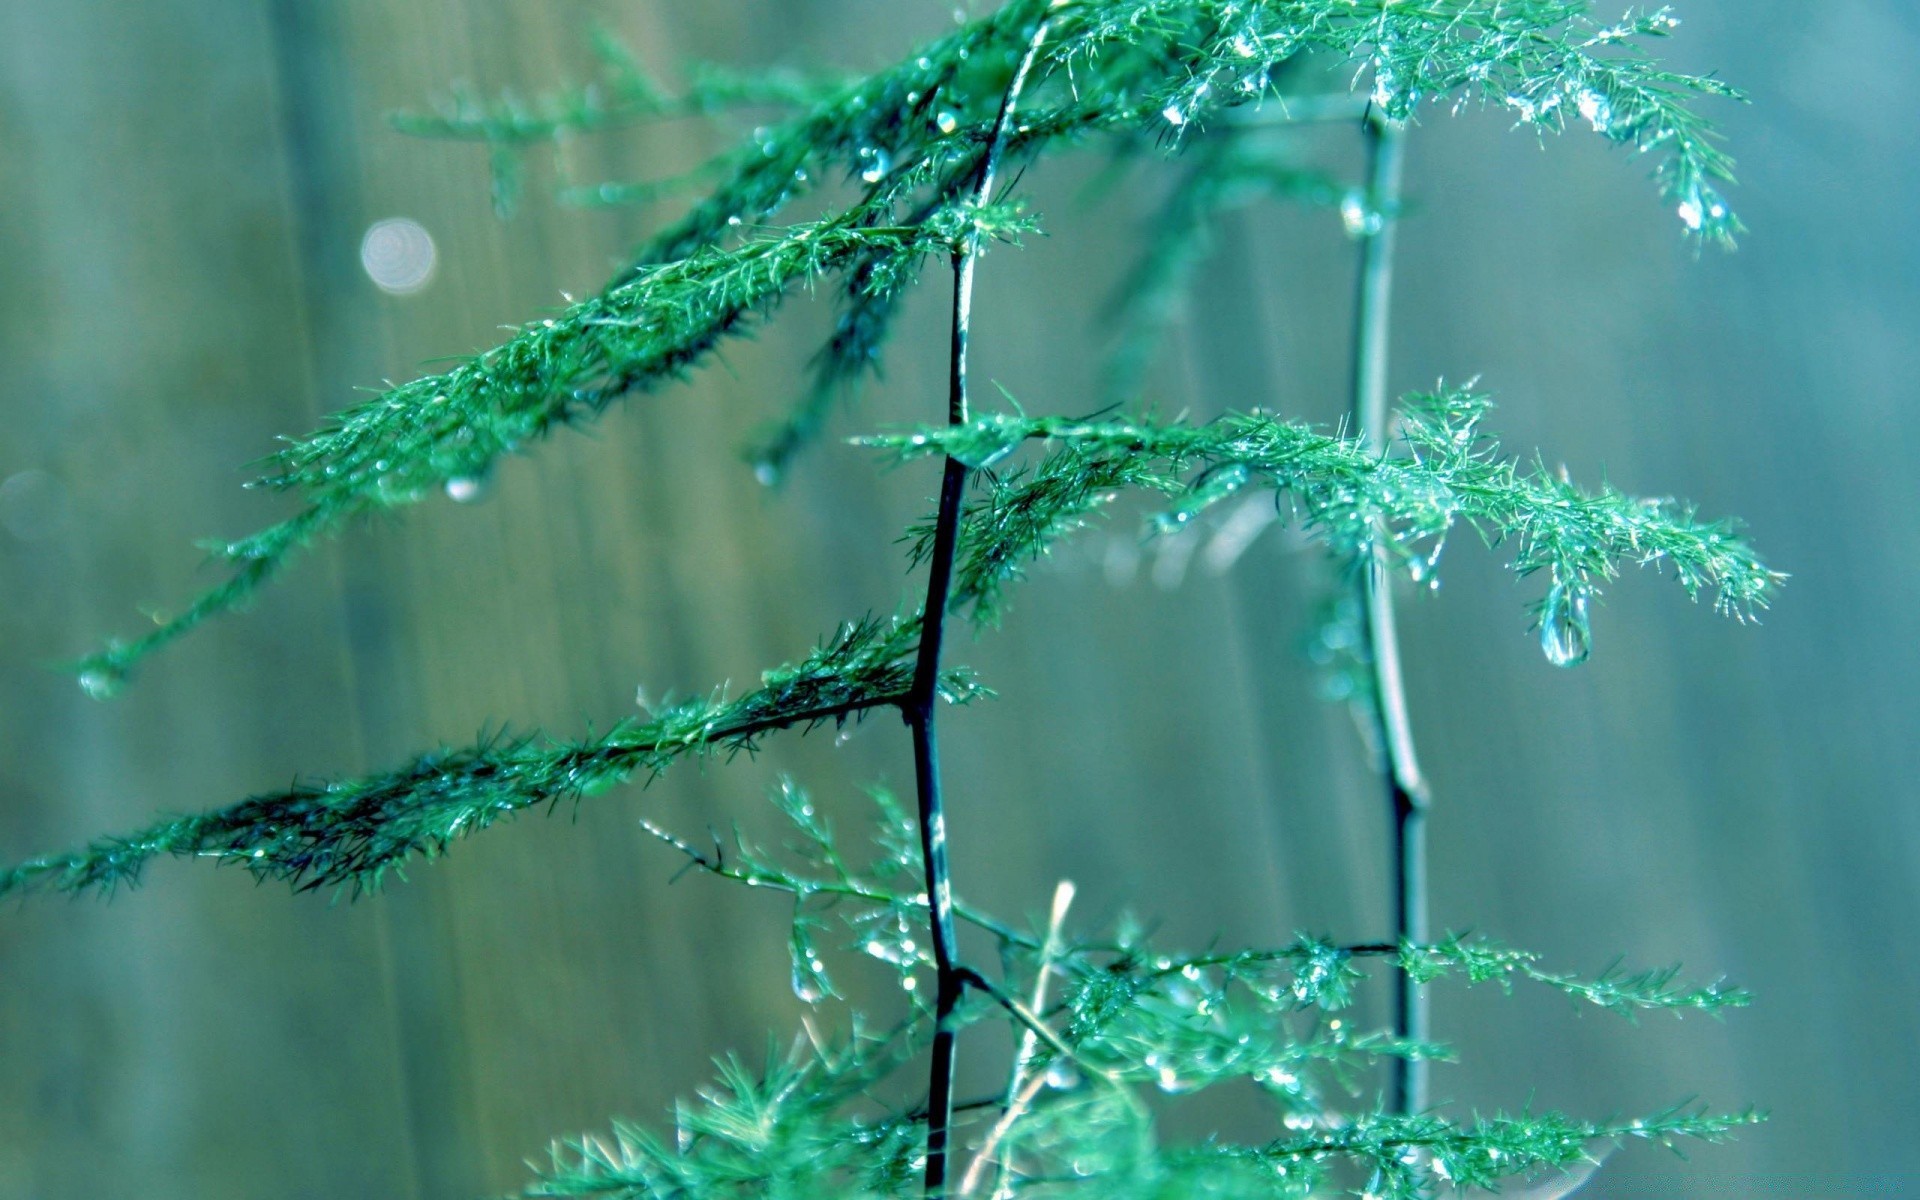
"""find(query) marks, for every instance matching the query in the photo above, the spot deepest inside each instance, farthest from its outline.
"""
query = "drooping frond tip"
(350, 833)
(1446, 472)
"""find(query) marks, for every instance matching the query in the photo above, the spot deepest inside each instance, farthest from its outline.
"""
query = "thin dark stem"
(1406, 789)
(918, 708)
(1294, 111)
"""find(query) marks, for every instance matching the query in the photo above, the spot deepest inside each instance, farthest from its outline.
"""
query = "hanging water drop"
(465, 489)
(946, 122)
(1566, 632)
(1063, 1075)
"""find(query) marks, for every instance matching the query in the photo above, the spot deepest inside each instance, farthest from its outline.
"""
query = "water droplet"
(1534, 111)
(1279, 1077)
(1166, 1078)
(465, 489)
(946, 122)
(1700, 209)
(1566, 632)
(101, 683)
(1174, 116)
(1062, 1074)
(1386, 96)
(1596, 108)
(877, 163)
(734, 219)
(1427, 570)
(1359, 219)
(810, 979)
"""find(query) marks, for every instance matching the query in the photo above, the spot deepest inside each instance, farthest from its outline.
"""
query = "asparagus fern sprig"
(1128, 1020)
(1350, 496)
(913, 134)
(351, 832)
(558, 372)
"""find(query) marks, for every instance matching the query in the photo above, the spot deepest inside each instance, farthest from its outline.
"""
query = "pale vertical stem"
(918, 707)
(1405, 787)
(1021, 1087)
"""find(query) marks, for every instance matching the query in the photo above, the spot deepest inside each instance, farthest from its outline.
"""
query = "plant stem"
(918, 708)
(1021, 1091)
(1406, 789)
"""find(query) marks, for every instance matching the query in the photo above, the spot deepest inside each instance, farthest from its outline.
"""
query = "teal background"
(184, 190)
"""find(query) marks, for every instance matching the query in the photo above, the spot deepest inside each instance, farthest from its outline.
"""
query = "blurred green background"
(185, 189)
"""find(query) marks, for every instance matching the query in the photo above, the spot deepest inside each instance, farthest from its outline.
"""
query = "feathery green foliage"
(350, 833)
(398, 447)
(1129, 1024)
(900, 164)
(913, 135)
(1346, 494)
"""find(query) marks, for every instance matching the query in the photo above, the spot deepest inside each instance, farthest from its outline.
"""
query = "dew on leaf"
(1596, 108)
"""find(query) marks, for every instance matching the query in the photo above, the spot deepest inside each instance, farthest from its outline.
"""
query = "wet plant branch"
(919, 706)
